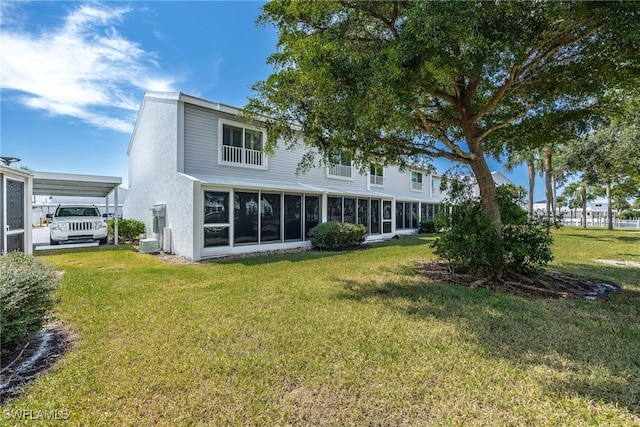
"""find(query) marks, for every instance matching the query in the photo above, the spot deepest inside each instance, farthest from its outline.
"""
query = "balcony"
(341, 171)
(243, 157)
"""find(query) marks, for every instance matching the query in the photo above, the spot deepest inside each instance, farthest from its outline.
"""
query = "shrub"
(527, 248)
(26, 287)
(629, 215)
(472, 245)
(128, 229)
(427, 226)
(510, 199)
(337, 235)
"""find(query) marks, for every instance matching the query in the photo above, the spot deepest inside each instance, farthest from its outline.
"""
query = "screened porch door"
(13, 215)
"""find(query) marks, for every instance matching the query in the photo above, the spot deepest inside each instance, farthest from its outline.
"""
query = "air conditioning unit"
(149, 246)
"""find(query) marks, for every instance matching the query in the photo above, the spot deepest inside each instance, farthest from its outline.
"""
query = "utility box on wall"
(159, 213)
(159, 218)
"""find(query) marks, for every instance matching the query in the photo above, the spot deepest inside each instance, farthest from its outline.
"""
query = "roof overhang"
(65, 184)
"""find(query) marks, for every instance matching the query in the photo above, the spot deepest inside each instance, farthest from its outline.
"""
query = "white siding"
(153, 177)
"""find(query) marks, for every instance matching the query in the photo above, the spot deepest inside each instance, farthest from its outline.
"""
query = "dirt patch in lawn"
(27, 362)
(552, 284)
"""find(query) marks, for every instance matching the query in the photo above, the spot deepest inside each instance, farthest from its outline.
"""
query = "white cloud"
(84, 68)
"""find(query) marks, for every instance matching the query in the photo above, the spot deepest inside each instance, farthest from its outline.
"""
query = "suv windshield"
(77, 211)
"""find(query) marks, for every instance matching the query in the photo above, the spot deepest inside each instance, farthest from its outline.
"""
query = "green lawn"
(351, 338)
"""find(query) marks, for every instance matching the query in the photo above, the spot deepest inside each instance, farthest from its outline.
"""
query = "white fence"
(602, 222)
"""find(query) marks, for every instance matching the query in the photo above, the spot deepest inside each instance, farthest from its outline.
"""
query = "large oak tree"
(402, 81)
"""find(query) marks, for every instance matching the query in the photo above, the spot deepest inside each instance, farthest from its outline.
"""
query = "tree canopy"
(609, 156)
(400, 82)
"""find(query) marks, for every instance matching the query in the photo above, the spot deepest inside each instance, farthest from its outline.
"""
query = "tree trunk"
(488, 195)
(532, 182)
(548, 190)
(609, 210)
(583, 194)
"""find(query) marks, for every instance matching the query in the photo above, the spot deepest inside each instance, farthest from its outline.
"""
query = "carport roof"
(66, 184)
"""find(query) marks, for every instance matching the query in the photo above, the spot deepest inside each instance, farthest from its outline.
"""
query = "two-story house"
(199, 171)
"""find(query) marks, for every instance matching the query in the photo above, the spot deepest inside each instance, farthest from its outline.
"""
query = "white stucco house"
(200, 181)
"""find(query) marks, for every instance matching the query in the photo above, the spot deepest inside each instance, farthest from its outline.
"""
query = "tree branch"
(504, 124)
(529, 67)
(430, 126)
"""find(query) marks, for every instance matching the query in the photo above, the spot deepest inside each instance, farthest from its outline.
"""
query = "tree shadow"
(572, 337)
(624, 275)
(299, 255)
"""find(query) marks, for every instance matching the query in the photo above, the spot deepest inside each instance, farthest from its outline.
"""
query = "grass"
(351, 338)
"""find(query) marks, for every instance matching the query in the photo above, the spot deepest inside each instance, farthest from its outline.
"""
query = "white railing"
(340, 170)
(239, 155)
(603, 222)
(253, 157)
(231, 154)
(376, 180)
(416, 186)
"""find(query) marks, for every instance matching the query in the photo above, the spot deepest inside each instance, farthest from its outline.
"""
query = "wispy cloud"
(85, 68)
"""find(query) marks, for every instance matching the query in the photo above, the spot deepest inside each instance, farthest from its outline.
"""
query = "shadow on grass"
(71, 250)
(573, 338)
(622, 275)
(604, 238)
(298, 255)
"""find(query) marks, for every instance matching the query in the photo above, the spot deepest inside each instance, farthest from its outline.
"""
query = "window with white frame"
(340, 165)
(376, 175)
(416, 181)
(242, 146)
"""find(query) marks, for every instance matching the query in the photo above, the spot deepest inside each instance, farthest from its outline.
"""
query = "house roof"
(65, 184)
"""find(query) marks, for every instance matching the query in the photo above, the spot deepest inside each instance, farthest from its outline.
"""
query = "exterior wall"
(202, 136)
(174, 157)
(153, 176)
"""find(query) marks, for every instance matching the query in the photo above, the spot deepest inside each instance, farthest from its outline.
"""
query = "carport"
(65, 184)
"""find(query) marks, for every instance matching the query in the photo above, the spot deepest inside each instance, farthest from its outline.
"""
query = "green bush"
(26, 288)
(427, 226)
(337, 235)
(527, 248)
(629, 215)
(472, 245)
(128, 229)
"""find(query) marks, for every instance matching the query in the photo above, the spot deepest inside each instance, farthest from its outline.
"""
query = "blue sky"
(73, 74)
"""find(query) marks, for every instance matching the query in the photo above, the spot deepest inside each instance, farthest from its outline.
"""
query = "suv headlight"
(98, 224)
(63, 226)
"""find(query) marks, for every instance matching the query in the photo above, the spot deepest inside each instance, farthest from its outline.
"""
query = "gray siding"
(201, 133)
(200, 140)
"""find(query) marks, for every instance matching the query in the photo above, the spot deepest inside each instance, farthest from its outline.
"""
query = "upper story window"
(416, 181)
(340, 165)
(242, 147)
(376, 175)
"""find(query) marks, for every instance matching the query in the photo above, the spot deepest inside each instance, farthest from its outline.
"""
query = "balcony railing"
(242, 156)
(340, 170)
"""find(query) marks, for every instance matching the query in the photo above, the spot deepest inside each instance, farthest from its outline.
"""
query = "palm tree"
(529, 157)
(583, 193)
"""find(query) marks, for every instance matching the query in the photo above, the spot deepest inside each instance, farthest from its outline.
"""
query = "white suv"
(77, 222)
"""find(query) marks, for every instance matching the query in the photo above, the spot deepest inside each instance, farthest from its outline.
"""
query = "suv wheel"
(53, 242)
(103, 241)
